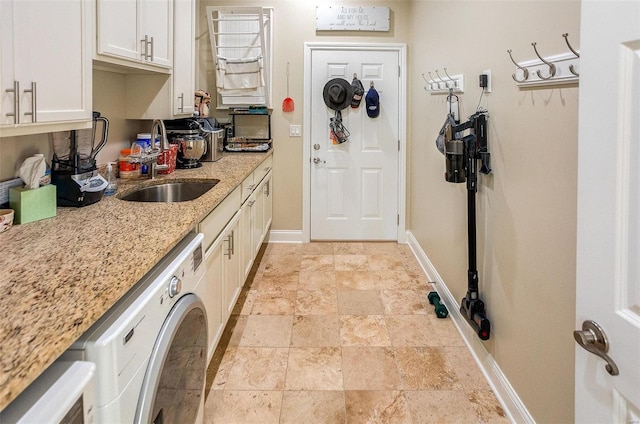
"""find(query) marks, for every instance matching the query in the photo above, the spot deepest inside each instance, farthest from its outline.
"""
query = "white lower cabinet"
(234, 232)
(230, 267)
(267, 205)
(211, 290)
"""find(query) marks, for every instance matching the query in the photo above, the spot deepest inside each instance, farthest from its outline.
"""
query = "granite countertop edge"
(60, 275)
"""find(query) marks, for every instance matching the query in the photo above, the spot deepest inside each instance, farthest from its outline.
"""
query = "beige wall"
(527, 207)
(294, 24)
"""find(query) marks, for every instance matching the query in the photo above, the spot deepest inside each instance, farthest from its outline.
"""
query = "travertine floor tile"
(267, 331)
(243, 406)
(258, 369)
(349, 248)
(405, 302)
(452, 406)
(425, 368)
(314, 369)
(354, 280)
(351, 263)
(316, 302)
(367, 407)
(411, 330)
(369, 368)
(378, 262)
(274, 302)
(317, 280)
(364, 330)
(316, 331)
(334, 332)
(317, 263)
(276, 281)
(326, 407)
(360, 302)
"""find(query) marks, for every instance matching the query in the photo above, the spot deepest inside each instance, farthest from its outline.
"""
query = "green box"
(32, 205)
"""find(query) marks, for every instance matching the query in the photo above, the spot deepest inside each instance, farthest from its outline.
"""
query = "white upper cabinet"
(150, 96)
(184, 57)
(45, 66)
(136, 33)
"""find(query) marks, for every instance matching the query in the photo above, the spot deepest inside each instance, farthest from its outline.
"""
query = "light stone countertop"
(60, 275)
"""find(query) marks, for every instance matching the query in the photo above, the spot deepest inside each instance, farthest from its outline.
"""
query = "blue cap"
(373, 103)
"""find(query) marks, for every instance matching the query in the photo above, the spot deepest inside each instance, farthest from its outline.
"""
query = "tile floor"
(343, 333)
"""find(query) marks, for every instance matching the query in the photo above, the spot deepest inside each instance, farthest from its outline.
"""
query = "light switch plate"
(295, 130)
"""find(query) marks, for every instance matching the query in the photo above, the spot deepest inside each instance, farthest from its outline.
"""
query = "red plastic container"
(168, 157)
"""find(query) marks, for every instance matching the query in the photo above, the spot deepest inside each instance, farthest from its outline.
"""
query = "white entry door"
(354, 185)
(608, 261)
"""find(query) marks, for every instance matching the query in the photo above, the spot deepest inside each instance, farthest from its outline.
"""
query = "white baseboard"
(285, 236)
(507, 396)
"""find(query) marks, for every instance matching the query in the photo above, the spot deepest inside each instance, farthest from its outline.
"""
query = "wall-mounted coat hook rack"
(442, 85)
(547, 71)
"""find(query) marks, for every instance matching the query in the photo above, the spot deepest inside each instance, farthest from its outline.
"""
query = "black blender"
(73, 167)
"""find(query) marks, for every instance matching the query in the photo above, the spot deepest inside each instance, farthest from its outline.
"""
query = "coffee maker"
(195, 138)
(73, 167)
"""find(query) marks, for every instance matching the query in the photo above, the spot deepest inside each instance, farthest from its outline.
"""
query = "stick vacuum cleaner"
(462, 154)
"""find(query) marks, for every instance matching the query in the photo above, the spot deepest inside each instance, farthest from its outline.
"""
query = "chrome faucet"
(164, 146)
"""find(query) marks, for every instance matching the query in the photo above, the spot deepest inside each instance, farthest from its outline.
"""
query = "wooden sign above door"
(352, 18)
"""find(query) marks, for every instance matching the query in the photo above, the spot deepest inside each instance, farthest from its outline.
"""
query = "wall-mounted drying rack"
(443, 84)
(553, 70)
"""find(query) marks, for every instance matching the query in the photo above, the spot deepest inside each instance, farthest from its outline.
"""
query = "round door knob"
(175, 286)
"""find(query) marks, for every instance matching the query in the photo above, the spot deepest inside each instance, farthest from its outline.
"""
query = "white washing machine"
(150, 349)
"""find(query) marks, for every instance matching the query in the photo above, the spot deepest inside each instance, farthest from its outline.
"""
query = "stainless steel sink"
(171, 192)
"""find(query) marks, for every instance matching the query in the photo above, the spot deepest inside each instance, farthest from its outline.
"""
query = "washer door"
(173, 386)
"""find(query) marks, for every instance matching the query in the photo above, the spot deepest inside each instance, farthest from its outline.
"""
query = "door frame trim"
(309, 48)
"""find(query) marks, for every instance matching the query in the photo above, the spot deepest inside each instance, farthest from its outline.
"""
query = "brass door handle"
(593, 339)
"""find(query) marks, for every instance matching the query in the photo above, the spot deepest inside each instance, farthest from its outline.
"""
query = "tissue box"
(32, 205)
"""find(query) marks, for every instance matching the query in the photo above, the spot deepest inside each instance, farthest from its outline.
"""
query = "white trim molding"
(507, 396)
(285, 236)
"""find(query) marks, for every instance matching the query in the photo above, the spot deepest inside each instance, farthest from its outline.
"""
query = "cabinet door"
(257, 218)
(212, 295)
(231, 266)
(157, 23)
(46, 52)
(267, 204)
(8, 108)
(245, 245)
(183, 57)
(118, 29)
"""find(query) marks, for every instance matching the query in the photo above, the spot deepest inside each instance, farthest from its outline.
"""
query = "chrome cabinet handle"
(251, 203)
(250, 186)
(318, 160)
(267, 188)
(593, 339)
(144, 43)
(34, 106)
(181, 107)
(231, 248)
(16, 101)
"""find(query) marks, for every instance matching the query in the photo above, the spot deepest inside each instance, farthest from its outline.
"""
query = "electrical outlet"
(488, 74)
(295, 130)
(4, 189)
